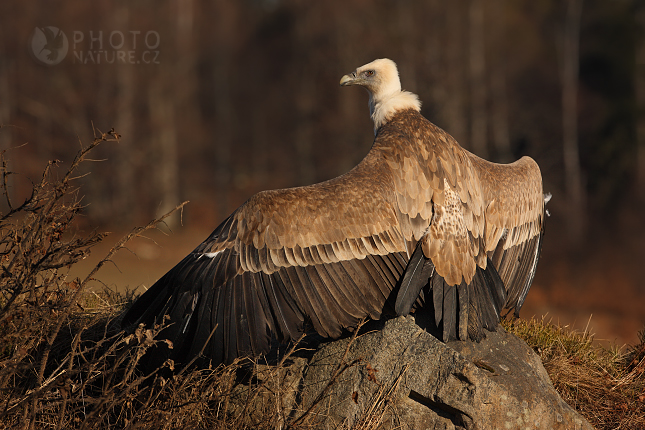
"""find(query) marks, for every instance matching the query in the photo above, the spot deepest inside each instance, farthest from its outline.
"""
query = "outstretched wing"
(330, 253)
(514, 222)
(478, 225)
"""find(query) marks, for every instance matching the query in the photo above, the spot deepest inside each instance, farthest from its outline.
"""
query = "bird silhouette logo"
(49, 45)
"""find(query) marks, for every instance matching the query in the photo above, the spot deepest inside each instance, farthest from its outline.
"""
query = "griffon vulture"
(418, 211)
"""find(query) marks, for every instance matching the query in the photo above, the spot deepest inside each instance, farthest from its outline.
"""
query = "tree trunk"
(478, 84)
(164, 137)
(639, 85)
(260, 147)
(305, 101)
(304, 129)
(499, 95)
(352, 106)
(454, 110)
(223, 127)
(6, 103)
(168, 99)
(125, 193)
(573, 174)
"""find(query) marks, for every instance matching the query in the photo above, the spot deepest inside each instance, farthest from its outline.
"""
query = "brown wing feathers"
(417, 212)
(203, 292)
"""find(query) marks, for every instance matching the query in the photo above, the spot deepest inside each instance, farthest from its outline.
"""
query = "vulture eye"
(369, 73)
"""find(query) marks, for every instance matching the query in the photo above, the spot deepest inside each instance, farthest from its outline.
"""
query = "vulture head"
(381, 80)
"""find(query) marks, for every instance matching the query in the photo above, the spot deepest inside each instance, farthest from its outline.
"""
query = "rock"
(401, 377)
(411, 380)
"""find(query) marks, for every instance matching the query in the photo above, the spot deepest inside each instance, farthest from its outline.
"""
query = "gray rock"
(407, 379)
(401, 377)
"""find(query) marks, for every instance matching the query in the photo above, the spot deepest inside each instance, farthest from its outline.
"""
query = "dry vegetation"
(607, 386)
(64, 363)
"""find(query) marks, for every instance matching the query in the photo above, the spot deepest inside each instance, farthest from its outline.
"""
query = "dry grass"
(65, 364)
(606, 385)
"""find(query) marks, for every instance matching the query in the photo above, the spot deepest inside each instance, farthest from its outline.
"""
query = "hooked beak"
(348, 79)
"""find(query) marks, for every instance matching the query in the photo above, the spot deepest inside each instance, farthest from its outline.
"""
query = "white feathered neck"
(383, 108)
(386, 95)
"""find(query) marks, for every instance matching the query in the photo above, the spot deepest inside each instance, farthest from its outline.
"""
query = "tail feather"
(463, 294)
(437, 297)
(460, 311)
(417, 273)
(486, 300)
(450, 319)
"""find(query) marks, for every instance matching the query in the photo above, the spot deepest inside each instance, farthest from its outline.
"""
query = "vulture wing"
(478, 225)
(330, 253)
(514, 222)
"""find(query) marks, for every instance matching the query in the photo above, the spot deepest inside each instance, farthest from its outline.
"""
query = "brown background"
(244, 96)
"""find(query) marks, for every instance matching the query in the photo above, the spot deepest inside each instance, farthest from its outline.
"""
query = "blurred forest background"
(219, 99)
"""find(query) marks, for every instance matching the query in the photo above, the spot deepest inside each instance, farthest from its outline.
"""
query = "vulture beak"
(348, 79)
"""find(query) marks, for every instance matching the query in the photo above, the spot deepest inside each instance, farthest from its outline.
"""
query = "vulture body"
(418, 211)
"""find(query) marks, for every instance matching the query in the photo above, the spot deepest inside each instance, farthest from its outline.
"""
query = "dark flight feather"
(417, 273)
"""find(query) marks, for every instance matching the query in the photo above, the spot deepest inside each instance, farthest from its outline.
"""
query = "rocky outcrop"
(401, 377)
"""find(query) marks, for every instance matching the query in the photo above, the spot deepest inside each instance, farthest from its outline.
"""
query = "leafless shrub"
(60, 366)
